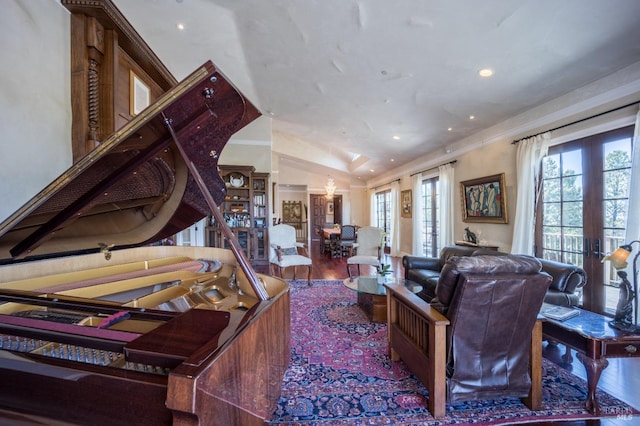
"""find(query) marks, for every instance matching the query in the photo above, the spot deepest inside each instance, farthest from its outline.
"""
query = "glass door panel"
(582, 210)
(616, 173)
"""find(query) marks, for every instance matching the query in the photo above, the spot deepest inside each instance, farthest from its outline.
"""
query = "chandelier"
(330, 187)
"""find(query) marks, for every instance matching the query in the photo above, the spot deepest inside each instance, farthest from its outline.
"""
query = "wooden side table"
(595, 341)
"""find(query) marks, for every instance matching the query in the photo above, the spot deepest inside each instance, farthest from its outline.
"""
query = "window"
(430, 207)
(383, 213)
(583, 209)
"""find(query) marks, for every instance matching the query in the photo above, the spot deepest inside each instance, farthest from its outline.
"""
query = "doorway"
(323, 212)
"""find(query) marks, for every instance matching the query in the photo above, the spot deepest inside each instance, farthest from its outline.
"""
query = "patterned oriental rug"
(340, 374)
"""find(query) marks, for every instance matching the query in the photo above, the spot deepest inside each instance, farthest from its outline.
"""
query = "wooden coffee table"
(372, 294)
(595, 341)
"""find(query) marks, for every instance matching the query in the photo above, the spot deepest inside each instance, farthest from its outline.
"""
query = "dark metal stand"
(627, 303)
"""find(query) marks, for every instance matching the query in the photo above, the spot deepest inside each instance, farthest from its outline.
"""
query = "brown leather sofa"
(565, 289)
(480, 338)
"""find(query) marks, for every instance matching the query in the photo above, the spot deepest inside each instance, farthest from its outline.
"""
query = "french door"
(582, 209)
(383, 214)
(430, 208)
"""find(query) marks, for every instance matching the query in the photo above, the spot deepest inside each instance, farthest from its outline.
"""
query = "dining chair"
(285, 251)
(347, 239)
(325, 243)
(369, 248)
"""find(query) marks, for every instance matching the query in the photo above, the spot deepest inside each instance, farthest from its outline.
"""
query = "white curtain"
(373, 213)
(446, 178)
(394, 232)
(529, 157)
(633, 218)
(418, 219)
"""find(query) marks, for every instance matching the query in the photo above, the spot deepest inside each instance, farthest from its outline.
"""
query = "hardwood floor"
(620, 379)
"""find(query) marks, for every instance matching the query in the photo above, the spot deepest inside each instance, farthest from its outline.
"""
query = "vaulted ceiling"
(378, 83)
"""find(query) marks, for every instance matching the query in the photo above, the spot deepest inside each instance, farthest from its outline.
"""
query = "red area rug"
(340, 374)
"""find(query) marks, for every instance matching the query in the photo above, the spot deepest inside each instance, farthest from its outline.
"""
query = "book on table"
(557, 312)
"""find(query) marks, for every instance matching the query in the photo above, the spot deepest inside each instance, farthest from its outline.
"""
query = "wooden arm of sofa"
(417, 335)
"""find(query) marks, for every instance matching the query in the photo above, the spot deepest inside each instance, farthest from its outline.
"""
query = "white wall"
(35, 103)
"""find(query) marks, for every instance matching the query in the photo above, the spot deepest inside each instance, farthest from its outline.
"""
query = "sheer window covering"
(529, 156)
(418, 219)
(445, 214)
(394, 239)
(632, 231)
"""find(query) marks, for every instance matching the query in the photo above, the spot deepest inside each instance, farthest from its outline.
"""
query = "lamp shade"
(619, 257)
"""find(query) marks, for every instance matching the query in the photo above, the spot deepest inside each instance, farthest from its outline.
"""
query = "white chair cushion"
(363, 260)
(292, 260)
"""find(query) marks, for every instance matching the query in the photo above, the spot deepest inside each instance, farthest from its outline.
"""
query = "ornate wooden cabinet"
(245, 210)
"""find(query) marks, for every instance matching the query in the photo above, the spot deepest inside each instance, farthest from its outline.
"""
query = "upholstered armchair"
(285, 251)
(369, 248)
(481, 338)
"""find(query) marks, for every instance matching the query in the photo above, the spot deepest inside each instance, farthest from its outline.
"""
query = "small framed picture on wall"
(405, 203)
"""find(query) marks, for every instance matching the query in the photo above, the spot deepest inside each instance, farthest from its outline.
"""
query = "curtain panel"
(529, 155)
(446, 202)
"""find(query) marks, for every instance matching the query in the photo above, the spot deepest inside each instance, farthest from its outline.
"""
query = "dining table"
(328, 232)
(333, 236)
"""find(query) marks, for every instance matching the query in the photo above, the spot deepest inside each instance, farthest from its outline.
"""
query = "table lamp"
(626, 317)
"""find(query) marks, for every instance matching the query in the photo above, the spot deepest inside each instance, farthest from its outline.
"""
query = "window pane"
(552, 190)
(550, 166)
(572, 163)
(572, 214)
(572, 188)
(617, 154)
(551, 214)
(616, 183)
(615, 213)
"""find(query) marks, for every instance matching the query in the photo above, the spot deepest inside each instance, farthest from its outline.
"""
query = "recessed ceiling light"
(397, 138)
(472, 117)
(392, 160)
(450, 129)
(371, 170)
(485, 72)
(180, 26)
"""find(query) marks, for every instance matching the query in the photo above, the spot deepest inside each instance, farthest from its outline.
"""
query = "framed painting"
(405, 203)
(484, 199)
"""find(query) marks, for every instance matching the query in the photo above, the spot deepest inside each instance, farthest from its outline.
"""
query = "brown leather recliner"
(480, 338)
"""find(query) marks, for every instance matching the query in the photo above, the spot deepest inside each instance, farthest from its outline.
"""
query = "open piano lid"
(136, 188)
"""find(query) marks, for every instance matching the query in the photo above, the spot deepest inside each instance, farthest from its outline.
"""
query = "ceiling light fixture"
(397, 138)
(330, 187)
(472, 117)
(450, 129)
(180, 26)
(485, 72)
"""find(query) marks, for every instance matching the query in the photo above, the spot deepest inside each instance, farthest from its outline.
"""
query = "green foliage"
(384, 269)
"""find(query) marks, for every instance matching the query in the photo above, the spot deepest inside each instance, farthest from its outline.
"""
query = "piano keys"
(99, 326)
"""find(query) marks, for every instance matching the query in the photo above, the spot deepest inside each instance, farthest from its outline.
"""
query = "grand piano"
(99, 324)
